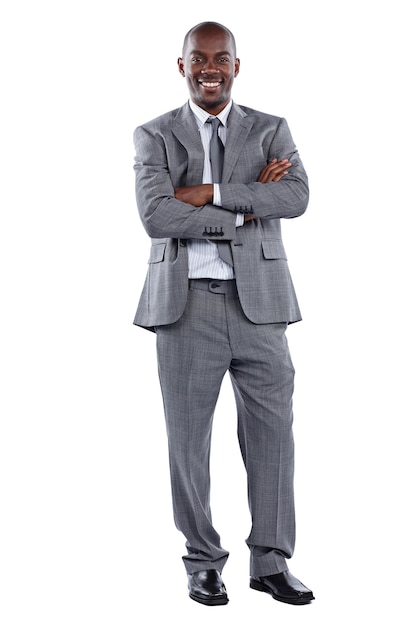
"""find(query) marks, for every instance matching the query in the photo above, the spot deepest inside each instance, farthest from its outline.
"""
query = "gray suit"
(201, 335)
(169, 154)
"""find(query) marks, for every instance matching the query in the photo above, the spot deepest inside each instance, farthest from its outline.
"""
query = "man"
(219, 296)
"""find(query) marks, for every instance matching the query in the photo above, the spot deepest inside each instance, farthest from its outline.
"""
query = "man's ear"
(180, 65)
(237, 66)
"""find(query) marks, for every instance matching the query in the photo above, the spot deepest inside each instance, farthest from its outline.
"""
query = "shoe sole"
(209, 601)
(258, 586)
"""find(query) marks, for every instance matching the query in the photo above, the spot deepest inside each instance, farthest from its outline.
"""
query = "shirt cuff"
(216, 195)
(240, 220)
(218, 202)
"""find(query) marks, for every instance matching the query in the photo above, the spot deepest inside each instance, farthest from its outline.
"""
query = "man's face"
(209, 66)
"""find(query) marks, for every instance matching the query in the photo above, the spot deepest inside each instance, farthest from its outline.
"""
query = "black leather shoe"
(207, 587)
(283, 587)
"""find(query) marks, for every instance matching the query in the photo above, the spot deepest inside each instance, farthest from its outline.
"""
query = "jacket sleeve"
(161, 214)
(285, 199)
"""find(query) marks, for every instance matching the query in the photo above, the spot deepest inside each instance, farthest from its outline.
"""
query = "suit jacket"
(169, 154)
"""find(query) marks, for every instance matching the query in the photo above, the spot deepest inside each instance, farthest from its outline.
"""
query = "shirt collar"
(202, 115)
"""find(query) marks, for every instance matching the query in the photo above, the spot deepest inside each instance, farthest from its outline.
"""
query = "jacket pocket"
(273, 249)
(157, 252)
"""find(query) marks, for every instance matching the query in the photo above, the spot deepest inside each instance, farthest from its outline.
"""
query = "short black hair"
(214, 25)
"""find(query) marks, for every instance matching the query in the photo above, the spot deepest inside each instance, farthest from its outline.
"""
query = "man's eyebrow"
(222, 53)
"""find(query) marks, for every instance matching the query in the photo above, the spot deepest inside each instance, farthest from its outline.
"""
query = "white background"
(87, 535)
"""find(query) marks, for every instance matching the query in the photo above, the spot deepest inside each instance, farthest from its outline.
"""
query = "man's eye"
(224, 60)
(196, 59)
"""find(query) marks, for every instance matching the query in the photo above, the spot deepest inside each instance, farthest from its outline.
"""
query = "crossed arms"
(169, 209)
(199, 195)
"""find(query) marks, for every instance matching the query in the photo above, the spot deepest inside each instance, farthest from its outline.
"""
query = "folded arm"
(203, 194)
(169, 210)
(161, 212)
(280, 191)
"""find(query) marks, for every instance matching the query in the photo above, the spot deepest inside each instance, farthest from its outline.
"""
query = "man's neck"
(222, 114)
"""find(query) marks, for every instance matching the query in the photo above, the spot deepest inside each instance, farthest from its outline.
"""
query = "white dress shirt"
(204, 260)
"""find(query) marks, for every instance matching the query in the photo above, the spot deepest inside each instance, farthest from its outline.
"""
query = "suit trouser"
(214, 336)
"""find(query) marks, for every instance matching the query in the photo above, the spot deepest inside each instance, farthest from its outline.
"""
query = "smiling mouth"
(210, 84)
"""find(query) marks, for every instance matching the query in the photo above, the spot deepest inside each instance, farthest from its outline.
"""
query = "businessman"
(213, 181)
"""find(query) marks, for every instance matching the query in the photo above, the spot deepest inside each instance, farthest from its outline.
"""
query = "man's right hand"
(196, 195)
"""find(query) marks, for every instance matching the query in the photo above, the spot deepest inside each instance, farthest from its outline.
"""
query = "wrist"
(209, 193)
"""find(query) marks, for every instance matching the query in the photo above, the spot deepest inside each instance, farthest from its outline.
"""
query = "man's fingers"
(274, 171)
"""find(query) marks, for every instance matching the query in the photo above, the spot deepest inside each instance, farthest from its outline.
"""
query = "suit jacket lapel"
(186, 131)
(239, 127)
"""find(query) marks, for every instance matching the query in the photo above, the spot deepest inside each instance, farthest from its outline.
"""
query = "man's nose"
(209, 67)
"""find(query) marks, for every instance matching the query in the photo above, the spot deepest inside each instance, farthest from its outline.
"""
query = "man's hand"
(274, 171)
(271, 173)
(196, 195)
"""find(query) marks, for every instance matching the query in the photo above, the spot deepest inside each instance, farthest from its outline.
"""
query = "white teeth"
(210, 84)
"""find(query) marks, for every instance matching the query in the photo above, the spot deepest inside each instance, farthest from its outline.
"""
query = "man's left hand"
(274, 171)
